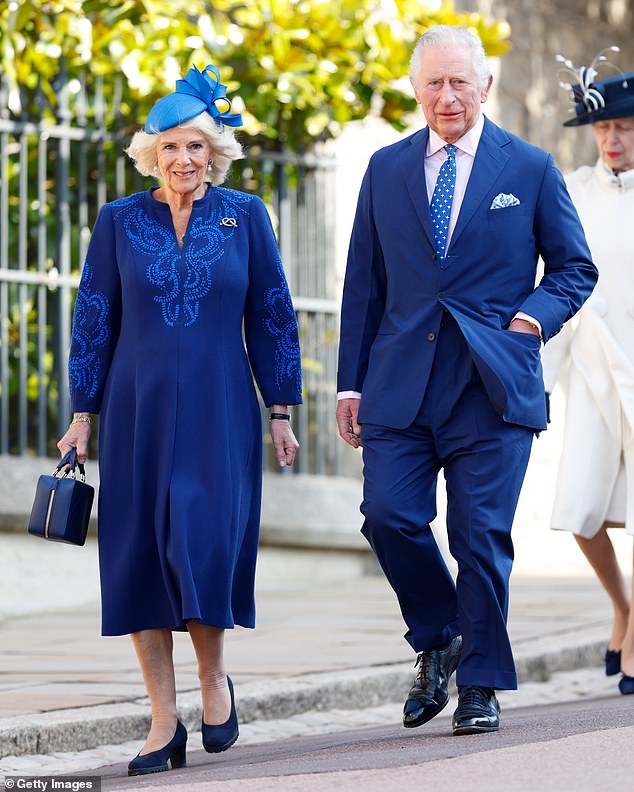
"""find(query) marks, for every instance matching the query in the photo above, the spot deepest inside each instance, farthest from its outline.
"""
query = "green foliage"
(302, 68)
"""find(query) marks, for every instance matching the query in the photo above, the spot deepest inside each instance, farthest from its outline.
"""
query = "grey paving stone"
(586, 683)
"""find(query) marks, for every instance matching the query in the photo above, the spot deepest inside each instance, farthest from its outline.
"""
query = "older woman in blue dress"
(173, 278)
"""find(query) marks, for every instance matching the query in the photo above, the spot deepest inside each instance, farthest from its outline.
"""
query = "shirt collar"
(468, 143)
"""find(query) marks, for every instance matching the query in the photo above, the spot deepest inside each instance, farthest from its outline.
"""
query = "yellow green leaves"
(302, 68)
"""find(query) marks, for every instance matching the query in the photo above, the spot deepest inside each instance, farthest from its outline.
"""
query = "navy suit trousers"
(484, 460)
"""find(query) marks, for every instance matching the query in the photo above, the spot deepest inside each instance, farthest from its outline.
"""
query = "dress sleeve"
(270, 325)
(96, 318)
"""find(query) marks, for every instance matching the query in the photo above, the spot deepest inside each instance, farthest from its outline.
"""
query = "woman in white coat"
(594, 358)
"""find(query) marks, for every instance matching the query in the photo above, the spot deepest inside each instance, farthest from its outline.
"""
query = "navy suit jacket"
(395, 290)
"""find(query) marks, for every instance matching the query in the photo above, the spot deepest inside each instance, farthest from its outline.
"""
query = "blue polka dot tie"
(440, 206)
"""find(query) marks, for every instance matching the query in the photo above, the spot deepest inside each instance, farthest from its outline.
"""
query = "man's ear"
(415, 89)
(484, 95)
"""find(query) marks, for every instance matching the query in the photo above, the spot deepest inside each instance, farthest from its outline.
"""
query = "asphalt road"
(572, 747)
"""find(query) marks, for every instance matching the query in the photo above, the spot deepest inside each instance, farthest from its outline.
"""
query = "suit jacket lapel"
(413, 169)
(489, 162)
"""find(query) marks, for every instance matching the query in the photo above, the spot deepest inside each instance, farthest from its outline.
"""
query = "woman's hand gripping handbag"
(61, 509)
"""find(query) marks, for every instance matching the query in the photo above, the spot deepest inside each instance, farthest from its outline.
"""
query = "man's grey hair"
(448, 34)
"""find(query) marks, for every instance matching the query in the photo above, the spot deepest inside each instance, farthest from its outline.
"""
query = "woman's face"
(615, 141)
(183, 156)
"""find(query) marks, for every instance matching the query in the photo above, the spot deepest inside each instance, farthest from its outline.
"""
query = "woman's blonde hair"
(224, 147)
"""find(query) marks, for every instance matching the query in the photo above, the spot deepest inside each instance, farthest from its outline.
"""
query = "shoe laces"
(423, 662)
(473, 696)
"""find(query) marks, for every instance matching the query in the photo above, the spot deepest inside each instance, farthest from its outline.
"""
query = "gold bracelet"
(82, 418)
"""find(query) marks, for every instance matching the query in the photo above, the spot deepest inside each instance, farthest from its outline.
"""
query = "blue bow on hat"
(196, 93)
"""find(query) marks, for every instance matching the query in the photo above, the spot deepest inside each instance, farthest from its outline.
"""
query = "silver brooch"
(229, 221)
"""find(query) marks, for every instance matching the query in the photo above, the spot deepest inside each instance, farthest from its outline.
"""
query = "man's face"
(615, 140)
(448, 90)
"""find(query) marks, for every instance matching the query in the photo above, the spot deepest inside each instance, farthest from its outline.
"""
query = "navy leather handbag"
(61, 509)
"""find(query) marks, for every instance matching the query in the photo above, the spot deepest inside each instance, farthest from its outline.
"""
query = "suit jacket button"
(431, 336)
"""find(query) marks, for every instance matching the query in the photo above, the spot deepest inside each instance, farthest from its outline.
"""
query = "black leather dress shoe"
(428, 695)
(478, 710)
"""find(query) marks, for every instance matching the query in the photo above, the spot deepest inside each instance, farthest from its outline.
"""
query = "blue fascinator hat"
(196, 93)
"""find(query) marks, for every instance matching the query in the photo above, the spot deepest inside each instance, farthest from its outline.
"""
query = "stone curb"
(84, 728)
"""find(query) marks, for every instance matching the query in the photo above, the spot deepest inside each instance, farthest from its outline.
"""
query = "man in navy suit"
(439, 364)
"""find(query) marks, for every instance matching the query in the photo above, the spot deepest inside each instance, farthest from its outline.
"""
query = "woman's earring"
(155, 169)
(210, 165)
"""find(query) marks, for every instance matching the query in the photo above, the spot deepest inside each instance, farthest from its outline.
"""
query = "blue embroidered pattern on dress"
(281, 324)
(181, 288)
(91, 331)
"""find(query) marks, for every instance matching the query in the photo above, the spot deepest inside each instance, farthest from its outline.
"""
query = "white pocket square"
(503, 200)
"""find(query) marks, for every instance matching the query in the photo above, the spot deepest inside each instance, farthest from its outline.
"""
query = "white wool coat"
(593, 358)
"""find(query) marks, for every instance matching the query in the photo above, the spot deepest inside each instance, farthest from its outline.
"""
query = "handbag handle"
(70, 460)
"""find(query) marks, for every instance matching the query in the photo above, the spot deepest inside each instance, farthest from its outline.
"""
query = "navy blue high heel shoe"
(219, 738)
(626, 685)
(156, 761)
(612, 662)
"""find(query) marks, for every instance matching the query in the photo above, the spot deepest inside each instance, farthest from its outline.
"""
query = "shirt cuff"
(530, 319)
(348, 395)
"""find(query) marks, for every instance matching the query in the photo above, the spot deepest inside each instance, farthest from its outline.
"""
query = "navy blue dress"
(158, 351)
